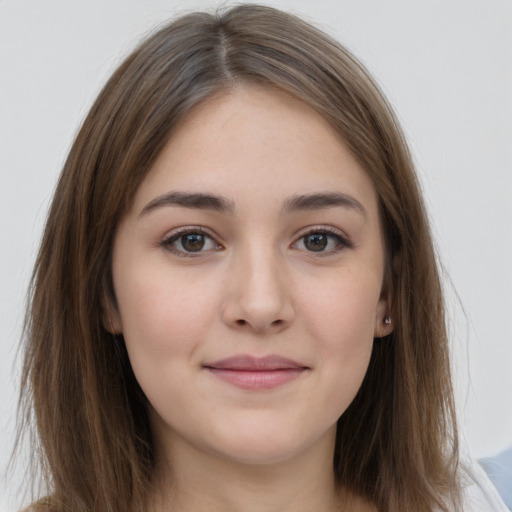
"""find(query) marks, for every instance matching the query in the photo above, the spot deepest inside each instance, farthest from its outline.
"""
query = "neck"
(201, 482)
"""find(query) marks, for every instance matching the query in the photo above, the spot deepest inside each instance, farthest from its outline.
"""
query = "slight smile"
(256, 373)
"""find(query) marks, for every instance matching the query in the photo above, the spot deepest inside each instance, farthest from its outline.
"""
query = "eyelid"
(173, 235)
(344, 240)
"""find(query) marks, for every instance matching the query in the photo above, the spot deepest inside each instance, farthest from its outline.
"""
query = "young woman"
(236, 304)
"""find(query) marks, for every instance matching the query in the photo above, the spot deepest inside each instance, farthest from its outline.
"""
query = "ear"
(383, 320)
(111, 318)
(385, 313)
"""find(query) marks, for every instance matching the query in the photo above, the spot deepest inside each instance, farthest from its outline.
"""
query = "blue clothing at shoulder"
(499, 471)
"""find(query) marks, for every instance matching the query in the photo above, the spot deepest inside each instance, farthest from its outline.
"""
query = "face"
(248, 277)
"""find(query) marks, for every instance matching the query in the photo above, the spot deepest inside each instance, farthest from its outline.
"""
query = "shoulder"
(479, 493)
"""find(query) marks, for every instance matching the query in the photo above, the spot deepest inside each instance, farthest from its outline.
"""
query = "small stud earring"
(387, 320)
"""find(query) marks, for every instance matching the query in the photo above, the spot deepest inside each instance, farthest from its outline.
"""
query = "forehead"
(254, 145)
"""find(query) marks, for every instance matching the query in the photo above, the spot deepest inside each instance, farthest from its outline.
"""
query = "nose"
(258, 296)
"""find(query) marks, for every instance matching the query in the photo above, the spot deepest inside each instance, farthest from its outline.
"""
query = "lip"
(256, 373)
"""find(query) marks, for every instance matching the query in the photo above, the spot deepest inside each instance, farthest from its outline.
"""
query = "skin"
(256, 287)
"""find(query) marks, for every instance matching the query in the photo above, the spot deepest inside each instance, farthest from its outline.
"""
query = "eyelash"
(342, 242)
(168, 242)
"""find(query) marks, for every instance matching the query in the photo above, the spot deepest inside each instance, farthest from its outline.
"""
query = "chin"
(265, 447)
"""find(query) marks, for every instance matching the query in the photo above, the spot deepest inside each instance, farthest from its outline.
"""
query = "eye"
(322, 241)
(190, 242)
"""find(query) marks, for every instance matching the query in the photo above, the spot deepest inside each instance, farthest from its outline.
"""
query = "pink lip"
(256, 373)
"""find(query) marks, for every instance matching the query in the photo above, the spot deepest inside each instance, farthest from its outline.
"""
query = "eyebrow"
(196, 200)
(321, 201)
(190, 200)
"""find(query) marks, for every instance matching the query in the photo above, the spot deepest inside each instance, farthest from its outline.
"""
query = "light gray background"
(446, 66)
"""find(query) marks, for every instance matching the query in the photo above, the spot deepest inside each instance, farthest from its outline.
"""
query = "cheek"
(342, 313)
(341, 321)
(163, 324)
(162, 318)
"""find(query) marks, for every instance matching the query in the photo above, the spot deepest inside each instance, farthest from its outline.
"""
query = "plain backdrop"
(446, 66)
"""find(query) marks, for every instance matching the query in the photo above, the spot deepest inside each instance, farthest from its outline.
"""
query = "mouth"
(256, 373)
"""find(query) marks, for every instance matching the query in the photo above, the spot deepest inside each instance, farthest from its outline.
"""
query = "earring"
(387, 320)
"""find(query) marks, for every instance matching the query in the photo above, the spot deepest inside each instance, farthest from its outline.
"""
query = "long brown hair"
(396, 444)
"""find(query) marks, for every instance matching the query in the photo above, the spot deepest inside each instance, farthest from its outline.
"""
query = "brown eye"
(316, 242)
(323, 242)
(192, 242)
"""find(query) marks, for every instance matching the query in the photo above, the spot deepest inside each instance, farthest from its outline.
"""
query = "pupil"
(192, 242)
(316, 242)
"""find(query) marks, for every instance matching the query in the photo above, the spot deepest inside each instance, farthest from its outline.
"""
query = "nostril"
(276, 323)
